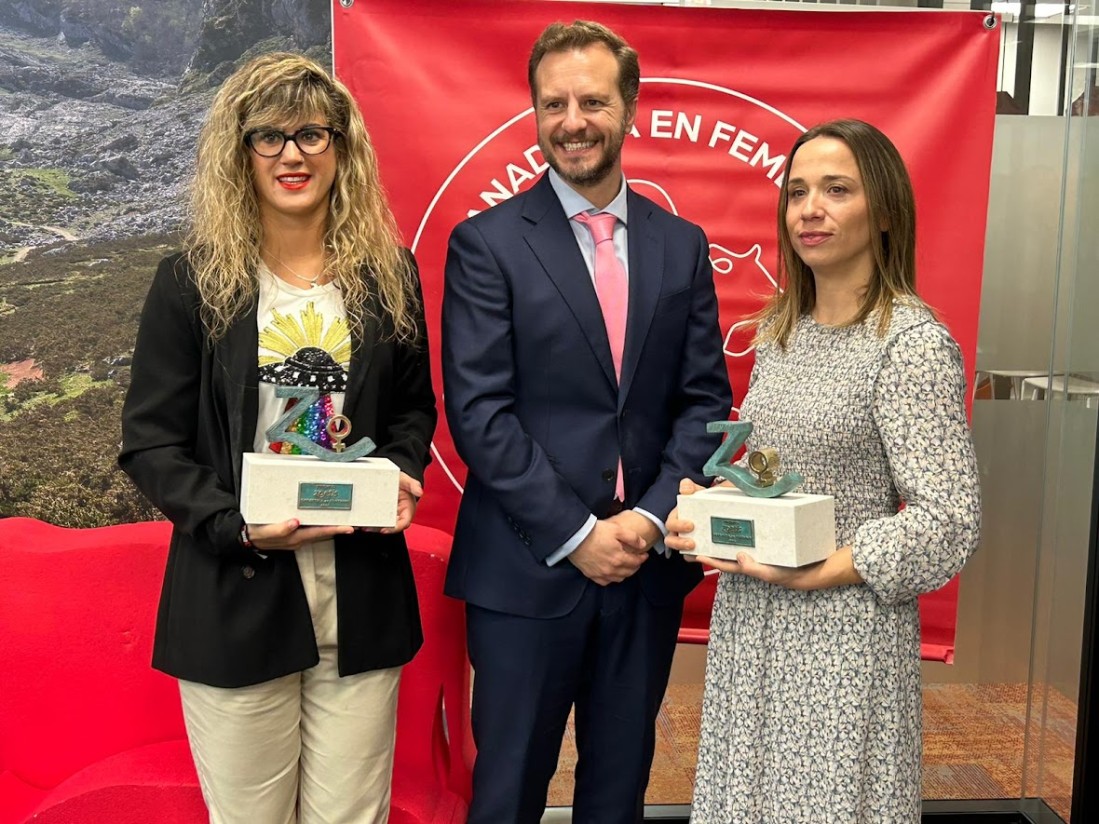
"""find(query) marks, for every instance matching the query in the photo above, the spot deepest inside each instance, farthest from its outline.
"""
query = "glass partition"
(1071, 403)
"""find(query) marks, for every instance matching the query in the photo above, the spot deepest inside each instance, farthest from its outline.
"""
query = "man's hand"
(291, 534)
(642, 526)
(611, 553)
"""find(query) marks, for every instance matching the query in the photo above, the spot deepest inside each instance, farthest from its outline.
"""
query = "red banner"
(724, 94)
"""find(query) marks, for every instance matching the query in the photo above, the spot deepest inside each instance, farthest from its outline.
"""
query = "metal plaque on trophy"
(341, 486)
(760, 514)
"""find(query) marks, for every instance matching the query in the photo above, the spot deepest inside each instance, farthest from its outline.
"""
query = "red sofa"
(90, 733)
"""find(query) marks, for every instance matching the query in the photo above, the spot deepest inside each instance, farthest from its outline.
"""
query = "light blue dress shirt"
(574, 203)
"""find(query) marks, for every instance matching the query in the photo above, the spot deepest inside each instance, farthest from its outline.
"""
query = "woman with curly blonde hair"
(288, 640)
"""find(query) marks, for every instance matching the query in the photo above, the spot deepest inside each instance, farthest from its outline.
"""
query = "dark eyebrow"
(826, 178)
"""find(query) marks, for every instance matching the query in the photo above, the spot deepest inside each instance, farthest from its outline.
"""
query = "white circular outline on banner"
(530, 110)
(674, 81)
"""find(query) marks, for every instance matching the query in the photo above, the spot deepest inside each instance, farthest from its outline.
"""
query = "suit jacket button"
(248, 572)
(608, 475)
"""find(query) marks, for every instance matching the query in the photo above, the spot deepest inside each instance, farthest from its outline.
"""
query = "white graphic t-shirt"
(304, 341)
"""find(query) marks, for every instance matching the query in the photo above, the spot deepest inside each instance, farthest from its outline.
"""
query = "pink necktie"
(610, 282)
(613, 293)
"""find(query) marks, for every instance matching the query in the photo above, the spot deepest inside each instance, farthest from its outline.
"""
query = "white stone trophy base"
(791, 530)
(362, 492)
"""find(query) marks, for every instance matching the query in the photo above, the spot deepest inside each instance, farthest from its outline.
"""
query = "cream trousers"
(307, 748)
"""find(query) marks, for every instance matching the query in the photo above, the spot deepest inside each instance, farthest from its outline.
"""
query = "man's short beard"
(590, 177)
(597, 174)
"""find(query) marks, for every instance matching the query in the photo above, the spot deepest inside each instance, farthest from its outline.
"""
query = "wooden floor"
(974, 739)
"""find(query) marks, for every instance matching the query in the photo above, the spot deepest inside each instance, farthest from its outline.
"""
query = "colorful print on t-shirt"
(305, 351)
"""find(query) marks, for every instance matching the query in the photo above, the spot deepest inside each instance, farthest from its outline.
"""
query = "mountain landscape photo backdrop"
(101, 103)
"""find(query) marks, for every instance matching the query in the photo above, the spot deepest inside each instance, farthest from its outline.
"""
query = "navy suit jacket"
(534, 407)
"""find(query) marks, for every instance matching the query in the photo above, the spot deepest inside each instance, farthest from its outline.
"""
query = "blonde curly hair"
(362, 245)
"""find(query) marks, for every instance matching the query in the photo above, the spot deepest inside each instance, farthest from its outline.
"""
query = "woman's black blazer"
(229, 617)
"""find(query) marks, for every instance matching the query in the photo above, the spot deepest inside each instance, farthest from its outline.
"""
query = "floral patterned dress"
(812, 708)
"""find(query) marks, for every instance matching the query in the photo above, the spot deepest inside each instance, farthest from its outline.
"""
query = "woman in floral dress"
(812, 709)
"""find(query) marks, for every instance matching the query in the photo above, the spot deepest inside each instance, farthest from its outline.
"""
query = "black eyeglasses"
(310, 140)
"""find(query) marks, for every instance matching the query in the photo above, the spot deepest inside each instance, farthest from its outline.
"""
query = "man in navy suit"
(576, 433)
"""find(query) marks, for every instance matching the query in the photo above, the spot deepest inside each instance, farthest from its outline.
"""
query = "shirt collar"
(574, 203)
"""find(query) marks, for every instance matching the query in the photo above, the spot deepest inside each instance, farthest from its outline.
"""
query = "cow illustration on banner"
(724, 94)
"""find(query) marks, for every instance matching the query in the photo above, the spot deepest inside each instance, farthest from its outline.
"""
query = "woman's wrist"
(838, 569)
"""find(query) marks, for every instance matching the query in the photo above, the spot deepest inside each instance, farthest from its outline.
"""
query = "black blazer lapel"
(646, 248)
(553, 243)
(238, 355)
(362, 350)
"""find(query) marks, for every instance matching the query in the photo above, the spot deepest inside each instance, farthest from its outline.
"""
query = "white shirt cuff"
(566, 549)
(658, 546)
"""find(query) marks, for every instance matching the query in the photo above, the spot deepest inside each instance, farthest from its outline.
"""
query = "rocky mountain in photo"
(40, 17)
(91, 149)
(101, 104)
(167, 37)
(97, 137)
(233, 27)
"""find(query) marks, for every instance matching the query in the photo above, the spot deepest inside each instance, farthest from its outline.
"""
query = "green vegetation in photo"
(74, 312)
(35, 196)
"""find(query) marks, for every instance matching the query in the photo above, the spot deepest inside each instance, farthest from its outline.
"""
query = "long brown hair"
(362, 244)
(890, 203)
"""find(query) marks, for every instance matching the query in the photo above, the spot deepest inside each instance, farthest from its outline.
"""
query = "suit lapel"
(646, 248)
(554, 244)
(362, 350)
(239, 356)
